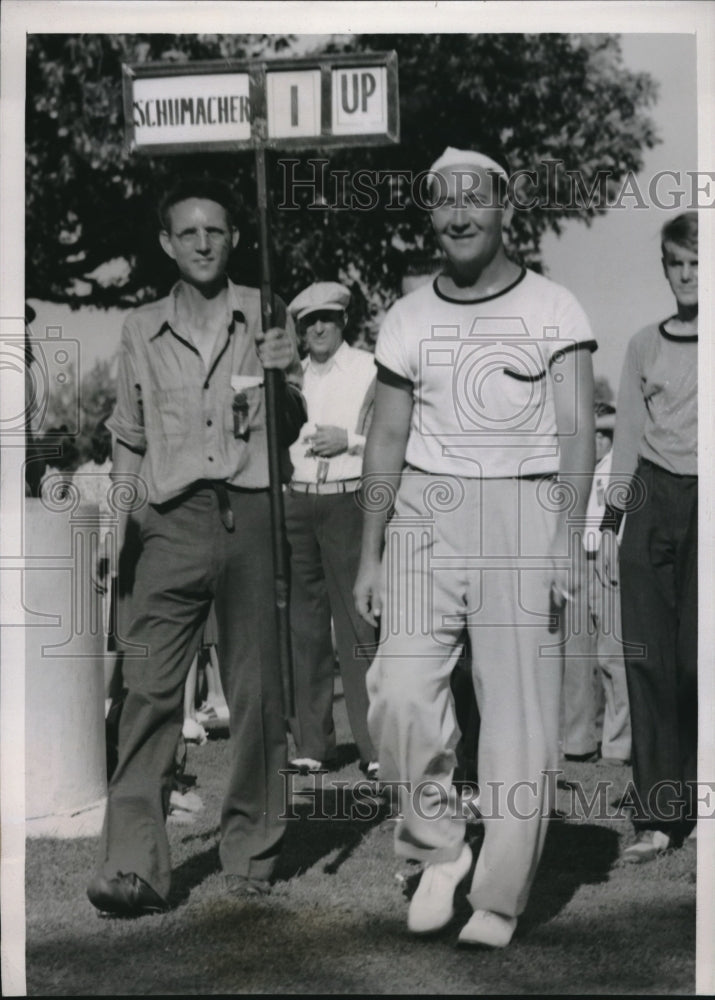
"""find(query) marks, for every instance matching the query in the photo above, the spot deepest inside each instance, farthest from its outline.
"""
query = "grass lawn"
(335, 921)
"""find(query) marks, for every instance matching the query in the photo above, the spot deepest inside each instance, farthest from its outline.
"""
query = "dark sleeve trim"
(520, 377)
(591, 345)
(388, 377)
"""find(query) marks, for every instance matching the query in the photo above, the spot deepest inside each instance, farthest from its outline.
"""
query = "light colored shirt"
(177, 412)
(481, 374)
(339, 393)
(657, 407)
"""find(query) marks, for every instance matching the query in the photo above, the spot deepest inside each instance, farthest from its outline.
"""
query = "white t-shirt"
(339, 393)
(481, 373)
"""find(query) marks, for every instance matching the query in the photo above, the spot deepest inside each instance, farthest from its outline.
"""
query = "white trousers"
(475, 553)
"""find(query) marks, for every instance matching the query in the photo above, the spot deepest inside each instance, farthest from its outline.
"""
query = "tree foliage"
(75, 408)
(91, 230)
(603, 392)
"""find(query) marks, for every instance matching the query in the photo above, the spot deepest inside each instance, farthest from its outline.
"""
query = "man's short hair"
(682, 230)
(198, 187)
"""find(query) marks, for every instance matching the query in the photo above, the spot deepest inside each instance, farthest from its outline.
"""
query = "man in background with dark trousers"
(655, 454)
(190, 429)
(323, 521)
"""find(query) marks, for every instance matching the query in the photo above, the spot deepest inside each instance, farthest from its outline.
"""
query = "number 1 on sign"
(294, 105)
(293, 101)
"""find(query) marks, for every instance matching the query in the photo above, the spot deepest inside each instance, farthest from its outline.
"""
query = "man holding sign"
(190, 423)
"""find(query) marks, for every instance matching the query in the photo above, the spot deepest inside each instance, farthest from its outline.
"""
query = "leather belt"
(323, 489)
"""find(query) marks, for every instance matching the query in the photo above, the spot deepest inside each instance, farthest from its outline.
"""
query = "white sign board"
(340, 100)
(178, 109)
(359, 100)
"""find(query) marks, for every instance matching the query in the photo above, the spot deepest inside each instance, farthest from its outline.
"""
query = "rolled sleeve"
(127, 419)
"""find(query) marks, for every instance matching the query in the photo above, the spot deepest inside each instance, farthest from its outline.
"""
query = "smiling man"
(484, 398)
(201, 462)
(323, 524)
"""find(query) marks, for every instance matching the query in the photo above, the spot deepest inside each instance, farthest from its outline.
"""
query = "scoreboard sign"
(274, 103)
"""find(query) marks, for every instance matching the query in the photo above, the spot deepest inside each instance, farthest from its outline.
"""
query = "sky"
(613, 266)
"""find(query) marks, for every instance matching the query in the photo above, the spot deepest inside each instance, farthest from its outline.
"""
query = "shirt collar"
(168, 318)
(339, 360)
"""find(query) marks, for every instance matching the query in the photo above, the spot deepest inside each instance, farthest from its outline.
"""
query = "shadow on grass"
(322, 819)
(326, 818)
(574, 855)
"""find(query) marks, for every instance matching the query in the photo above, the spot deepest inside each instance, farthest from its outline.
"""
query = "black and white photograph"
(356, 605)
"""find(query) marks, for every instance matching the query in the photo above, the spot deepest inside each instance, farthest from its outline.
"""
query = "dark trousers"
(659, 602)
(188, 559)
(324, 538)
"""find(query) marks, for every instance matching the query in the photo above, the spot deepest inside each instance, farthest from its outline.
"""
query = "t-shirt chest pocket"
(500, 387)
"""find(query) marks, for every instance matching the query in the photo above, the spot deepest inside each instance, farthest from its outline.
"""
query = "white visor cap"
(453, 157)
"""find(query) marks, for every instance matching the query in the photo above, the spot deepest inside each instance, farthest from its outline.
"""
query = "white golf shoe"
(488, 929)
(432, 906)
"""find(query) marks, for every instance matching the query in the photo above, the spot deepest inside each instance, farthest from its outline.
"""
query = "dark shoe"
(243, 886)
(583, 758)
(125, 896)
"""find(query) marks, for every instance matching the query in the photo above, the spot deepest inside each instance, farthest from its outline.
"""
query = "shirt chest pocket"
(243, 411)
(500, 388)
(173, 411)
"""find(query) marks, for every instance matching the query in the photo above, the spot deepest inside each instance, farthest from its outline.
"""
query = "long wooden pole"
(273, 390)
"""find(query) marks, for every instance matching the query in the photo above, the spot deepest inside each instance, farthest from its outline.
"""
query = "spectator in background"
(213, 710)
(323, 524)
(595, 694)
(655, 454)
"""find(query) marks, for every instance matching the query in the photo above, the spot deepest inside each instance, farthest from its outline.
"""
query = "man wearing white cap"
(323, 524)
(483, 434)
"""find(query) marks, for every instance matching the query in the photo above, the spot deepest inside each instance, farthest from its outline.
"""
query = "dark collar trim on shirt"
(237, 316)
(485, 298)
(690, 339)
